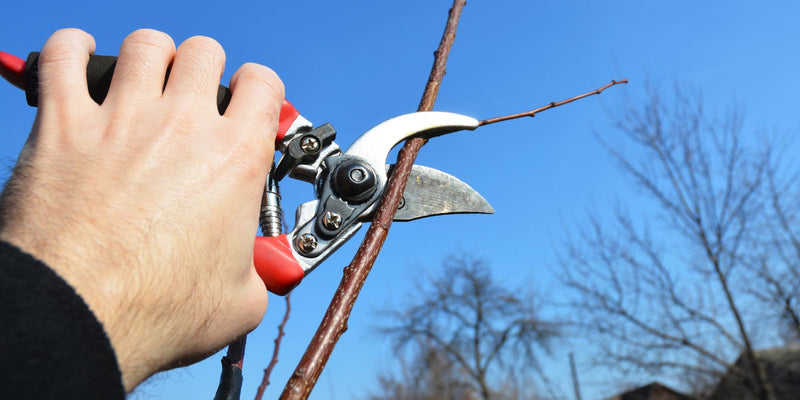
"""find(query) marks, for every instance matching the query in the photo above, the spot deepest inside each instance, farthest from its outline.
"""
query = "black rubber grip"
(98, 75)
(230, 382)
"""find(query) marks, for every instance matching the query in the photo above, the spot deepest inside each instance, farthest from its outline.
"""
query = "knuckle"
(181, 119)
(150, 38)
(260, 74)
(65, 45)
(205, 49)
(68, 32)
(58, 52)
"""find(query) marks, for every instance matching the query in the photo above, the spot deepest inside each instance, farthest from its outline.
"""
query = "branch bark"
(274, 360)
(334, 323)
(553, 104)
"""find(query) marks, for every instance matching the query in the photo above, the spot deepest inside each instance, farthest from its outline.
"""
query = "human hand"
(148, 204)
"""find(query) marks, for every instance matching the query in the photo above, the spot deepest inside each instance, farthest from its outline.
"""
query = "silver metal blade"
(432, 192)
(375, 144)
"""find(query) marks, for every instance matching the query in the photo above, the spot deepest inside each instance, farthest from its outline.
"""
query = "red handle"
(12, 68)
(276, 264)
(288, 115)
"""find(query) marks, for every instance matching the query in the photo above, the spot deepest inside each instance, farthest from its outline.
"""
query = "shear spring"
(271, 217)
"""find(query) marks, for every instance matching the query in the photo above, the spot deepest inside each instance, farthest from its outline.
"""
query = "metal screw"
(332, 220)
(309, 144)
(306, 243)
(402, 203)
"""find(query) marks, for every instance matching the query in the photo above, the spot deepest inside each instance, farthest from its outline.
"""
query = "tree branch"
(553, 104)
(334, 323)
(274, 360)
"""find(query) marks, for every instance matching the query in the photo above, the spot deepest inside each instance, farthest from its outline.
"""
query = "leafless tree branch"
(477, 323)
(334, 323)
(683, 303)
(553, 104)
(274, 360)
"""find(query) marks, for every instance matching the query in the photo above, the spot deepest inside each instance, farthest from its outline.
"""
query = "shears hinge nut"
(354, 181)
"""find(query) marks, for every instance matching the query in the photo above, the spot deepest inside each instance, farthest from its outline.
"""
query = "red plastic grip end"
(12, 68)
(288, 115)
(276, 265)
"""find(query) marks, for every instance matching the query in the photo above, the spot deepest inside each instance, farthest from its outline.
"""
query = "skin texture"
(148, 204)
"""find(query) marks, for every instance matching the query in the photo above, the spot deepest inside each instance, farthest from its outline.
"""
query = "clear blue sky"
(357, 63)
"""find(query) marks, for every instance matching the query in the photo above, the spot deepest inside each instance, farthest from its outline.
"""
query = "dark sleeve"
(52, 345)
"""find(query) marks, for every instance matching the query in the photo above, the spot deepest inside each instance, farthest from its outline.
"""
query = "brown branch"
(274, 360)
(334, 323)
(554, 104)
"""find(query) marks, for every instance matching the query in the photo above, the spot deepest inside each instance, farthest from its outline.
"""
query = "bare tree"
(774, 263)
(430, 375)
(676, 292)
(478, 324)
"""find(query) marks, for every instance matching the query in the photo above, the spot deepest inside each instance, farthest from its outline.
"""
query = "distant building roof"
(782, 365)
(652, 391)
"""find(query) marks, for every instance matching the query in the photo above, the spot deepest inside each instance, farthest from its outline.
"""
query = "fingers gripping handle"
(272, 256)
(98, 76)
(276, 265)
(99, 71)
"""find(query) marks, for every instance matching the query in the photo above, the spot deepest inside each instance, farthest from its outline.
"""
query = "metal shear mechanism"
(347, 185)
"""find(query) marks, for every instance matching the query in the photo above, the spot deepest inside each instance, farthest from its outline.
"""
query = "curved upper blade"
(432, 192)
(374, 145)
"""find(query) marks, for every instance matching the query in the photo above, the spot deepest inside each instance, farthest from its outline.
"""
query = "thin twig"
(554, 104)
(334, 323)
(274, 360)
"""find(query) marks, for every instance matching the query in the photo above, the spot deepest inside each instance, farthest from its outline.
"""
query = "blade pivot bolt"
(354, 181)
(332, 220)
(310, 145)
(306, 243)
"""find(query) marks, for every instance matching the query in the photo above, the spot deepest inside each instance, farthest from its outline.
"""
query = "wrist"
(52, 331)
(95, 289)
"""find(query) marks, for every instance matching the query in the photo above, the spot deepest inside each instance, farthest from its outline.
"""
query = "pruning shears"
(347, 184)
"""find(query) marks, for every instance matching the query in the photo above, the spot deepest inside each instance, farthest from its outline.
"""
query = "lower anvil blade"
(432, 192)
